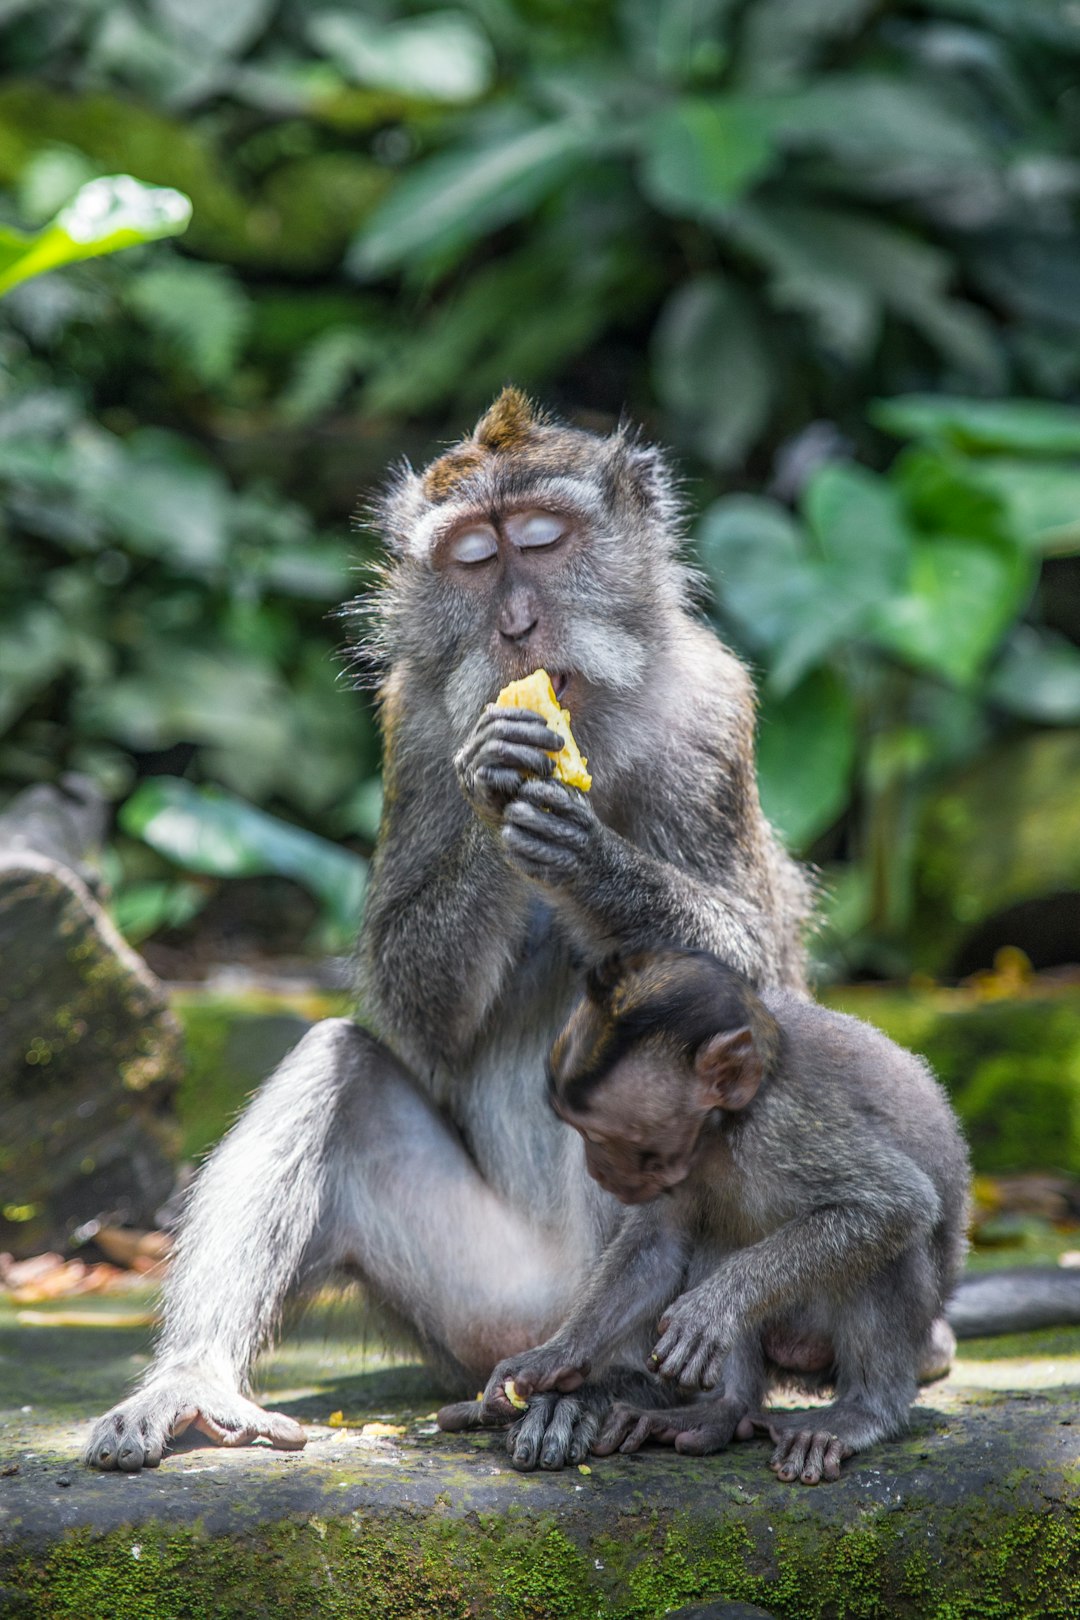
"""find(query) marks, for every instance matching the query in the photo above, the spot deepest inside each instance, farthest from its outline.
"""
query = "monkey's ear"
(601, 980)
(643, 469)
(730, 1068)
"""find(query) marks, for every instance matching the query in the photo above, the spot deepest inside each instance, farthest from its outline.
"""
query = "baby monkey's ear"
(601, 980)
(729, 1067)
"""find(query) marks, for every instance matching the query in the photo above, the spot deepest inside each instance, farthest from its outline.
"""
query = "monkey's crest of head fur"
(516, 446)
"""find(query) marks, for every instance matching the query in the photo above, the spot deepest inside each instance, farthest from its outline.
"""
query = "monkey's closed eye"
(473, 546)
(531, 529)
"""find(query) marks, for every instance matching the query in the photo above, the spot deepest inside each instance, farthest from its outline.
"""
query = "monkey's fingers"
(564, 1378)
(676, 1350)
(808, 1455)
(283, 1432)
(628, 1428)
(468, 1415)
(511, 728)
(558, 799)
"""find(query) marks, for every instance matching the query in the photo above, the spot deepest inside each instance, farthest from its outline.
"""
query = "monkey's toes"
(809, 1456)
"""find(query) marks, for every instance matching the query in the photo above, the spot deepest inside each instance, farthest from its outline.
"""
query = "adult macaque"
(814, 1221)
(420, 1155)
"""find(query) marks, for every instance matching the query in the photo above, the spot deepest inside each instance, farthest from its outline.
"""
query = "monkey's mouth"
(560, 682)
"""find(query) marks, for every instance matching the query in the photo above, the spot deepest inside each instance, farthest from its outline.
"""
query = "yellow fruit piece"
(513, 1397)
(336, 1420)
(536, 692)
(583, 1468)
(380, 1431)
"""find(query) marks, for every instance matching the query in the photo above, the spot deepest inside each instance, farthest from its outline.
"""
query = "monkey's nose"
(517, 626)
(518, 617)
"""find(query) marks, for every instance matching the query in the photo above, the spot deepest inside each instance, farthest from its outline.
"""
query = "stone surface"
(976, 1513)
(89, 1055)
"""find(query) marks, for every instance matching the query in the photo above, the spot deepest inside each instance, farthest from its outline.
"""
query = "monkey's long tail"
(1014, 1299)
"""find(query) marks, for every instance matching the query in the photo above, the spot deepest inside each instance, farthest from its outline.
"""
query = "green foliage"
(214, 832)
(732, 220)
(103, 217)
(886, 625)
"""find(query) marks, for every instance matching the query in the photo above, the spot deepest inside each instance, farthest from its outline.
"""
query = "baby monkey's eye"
(473, 545)
(530, 529)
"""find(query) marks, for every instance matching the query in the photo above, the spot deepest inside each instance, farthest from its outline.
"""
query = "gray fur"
(834, 1206)
(426, 1161)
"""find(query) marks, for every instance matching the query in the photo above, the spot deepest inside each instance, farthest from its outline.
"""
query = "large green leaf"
(861, 530)
(713, 369)
(846, 269)
(782, 38)
(865, 553)
(701, 155)
(754, 553)
(806, 757)
(1040, 500)
(1038, 677)
(442, 56)
(1020, 426)
(451, 200)
(201, 309)
(962, 596)
(103, 216)
(895, 124)
(206, 830)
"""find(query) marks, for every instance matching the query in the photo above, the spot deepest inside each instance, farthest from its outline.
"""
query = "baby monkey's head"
(657, 1043)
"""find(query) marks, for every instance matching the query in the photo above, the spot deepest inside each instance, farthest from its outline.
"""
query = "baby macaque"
(799, 1186)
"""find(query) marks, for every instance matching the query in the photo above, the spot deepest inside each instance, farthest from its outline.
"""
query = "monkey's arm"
(616, 896)
(445, 915)
(830, 1249)
(635, 1278)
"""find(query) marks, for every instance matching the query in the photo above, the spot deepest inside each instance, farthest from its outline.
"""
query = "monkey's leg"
(880, 1337)
(338, 1160)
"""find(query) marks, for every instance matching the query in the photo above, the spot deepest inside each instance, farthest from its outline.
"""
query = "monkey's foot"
(807, 1455)
(135, 1433)
(557, 1430)
(696, 1430)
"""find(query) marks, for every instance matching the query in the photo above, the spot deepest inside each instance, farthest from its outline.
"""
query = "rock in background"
(90, 1055)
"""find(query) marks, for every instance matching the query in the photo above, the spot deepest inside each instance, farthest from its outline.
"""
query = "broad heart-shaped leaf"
(791, 604)
(864, 557)
(1038, 677)
(1040, 500)
(858, 521)
(700, 155)
(754, 552)
(1017, 426)
(962, 595)
(103, 216)
(806, 756)
(441, 56)
(713, 369)
(444, 204)
(207, 830)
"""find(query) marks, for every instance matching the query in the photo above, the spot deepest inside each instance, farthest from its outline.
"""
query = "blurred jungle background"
(828, 251)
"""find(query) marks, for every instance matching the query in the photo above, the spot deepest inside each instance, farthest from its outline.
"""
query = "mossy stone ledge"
(973, 1515)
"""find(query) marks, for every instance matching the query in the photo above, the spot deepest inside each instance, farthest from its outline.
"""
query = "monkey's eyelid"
(535, 529)
(473, 546)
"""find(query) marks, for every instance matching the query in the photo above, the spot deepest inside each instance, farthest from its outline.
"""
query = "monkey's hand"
(135, 1433)
(703, 1427)
(696, 1333)
(504, 747)
(551, 1366)
(551, 832)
